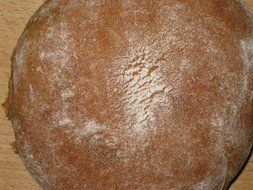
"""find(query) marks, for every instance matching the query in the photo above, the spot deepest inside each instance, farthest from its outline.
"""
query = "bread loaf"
(134, 94)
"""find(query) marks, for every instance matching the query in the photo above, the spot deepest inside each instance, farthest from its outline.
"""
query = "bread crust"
(134, 94)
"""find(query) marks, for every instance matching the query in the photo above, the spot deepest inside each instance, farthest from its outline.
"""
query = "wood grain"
(14, 14)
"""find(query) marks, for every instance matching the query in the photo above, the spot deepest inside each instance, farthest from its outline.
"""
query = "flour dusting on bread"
(132, 94)
(144, 88)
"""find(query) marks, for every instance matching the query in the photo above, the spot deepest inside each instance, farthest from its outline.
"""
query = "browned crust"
(81, 121)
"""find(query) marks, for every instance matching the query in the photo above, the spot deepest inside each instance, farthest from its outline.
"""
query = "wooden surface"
(14, 14)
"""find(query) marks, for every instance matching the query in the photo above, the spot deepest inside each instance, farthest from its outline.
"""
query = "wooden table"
(14, 14)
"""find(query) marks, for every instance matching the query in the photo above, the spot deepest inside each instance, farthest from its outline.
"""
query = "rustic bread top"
(134, 94)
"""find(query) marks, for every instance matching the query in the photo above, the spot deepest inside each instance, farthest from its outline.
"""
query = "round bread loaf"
(134, 94)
